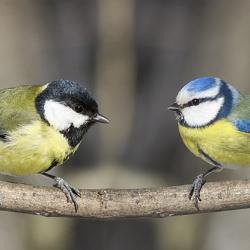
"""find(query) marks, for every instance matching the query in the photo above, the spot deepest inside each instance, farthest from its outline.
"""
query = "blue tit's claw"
(195, 190)
(191, 191)
(70, 192)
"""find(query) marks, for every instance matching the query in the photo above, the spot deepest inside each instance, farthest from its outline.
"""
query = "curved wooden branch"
(133, 203)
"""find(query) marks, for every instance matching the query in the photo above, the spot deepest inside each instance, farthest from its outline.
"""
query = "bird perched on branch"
(42, 126)
(214, 123)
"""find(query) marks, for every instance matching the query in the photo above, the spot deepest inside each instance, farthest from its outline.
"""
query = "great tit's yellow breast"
(221, 141)
(32, 148)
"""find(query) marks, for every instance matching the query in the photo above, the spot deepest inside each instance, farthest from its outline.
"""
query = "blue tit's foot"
(199, 182)
(71, 192)
(195, 189)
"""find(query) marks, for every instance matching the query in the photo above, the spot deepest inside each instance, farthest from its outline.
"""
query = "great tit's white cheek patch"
(62, 117)
(202, 114)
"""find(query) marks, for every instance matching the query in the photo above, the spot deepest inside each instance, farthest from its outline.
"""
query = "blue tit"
(41, 126)
(214, 123)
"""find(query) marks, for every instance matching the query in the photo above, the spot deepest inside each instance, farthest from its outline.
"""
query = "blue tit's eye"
(195, 102)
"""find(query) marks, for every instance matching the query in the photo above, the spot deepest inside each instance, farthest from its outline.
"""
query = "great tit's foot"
(195, 189)
(70, 192)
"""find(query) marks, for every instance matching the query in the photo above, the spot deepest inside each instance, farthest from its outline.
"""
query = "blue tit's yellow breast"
(32, 148)
(221, 141)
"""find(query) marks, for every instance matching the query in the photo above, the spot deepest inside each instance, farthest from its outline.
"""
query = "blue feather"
(228, 101)
(201, 84)
(242, 125)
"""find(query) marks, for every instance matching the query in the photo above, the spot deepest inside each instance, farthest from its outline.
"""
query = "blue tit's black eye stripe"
(194, 102)
(197, 101)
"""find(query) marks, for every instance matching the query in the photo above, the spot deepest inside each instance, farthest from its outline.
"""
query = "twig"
(133, 203)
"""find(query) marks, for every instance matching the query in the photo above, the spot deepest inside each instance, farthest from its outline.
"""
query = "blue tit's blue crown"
(204, 87)
(201, 84)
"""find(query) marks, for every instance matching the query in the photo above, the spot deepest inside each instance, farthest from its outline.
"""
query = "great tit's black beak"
(100, 118)
(174, 107)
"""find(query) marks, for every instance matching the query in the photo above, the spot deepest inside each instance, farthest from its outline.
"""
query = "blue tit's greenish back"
(241, 111)
(214, 123)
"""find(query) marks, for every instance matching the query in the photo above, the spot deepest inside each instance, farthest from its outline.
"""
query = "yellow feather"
(32, 149)
(221, 141)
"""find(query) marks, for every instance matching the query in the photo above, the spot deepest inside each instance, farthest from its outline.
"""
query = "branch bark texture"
(133, 203)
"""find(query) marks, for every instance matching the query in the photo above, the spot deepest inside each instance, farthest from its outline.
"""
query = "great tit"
(41, 126)
(214, 123)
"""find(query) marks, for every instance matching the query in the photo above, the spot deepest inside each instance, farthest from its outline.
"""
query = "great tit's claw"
(70, 192)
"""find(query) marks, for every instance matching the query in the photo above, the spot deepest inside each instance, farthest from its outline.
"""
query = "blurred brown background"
(134, 56)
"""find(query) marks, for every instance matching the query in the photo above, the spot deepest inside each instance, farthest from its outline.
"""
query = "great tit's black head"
(67, 106)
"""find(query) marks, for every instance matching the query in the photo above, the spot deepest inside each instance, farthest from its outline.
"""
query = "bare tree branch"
(133, 203)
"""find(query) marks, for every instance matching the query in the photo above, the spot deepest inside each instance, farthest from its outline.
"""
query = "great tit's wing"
(17, 108)
(3, 136)
(240, 115)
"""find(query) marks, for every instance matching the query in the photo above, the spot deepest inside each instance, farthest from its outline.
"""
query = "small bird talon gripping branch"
(195, 189)
(70, 192)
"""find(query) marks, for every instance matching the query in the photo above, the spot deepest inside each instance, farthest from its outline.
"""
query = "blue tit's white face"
(203, 101)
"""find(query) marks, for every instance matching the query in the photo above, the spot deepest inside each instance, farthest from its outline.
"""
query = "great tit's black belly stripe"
(53, 164)
(208, 158)
(75, 135)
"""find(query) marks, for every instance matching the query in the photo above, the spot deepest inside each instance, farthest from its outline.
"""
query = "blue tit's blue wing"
(240, 115)
(242, 125)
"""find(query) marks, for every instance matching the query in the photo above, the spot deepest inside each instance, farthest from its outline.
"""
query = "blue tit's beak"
(100, 118)
(174, 107)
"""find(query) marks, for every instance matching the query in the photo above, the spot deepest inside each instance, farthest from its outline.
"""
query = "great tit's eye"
(79, 108)
(195, 102)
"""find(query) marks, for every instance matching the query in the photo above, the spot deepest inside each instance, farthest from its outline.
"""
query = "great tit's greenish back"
(17, 107)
